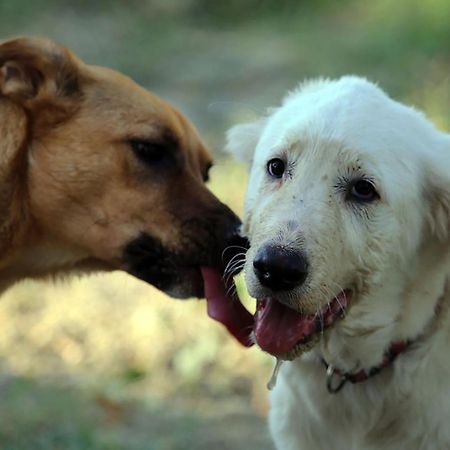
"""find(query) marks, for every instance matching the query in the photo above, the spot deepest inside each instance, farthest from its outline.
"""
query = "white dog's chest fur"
(405, 407)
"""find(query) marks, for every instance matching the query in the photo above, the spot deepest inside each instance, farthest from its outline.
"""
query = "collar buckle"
(335, 380)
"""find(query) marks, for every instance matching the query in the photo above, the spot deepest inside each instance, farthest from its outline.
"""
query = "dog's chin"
(147, 259)
(186, 283)
(287, 333)
(177, 282)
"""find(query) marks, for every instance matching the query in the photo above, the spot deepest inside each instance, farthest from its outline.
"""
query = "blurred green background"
(107, 362)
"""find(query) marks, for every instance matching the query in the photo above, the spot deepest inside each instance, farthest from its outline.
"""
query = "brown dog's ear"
(37, 73)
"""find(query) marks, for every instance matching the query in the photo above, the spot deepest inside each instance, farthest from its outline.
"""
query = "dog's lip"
(284, 332)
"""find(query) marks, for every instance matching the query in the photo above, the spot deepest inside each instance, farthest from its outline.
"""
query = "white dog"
(348, 213)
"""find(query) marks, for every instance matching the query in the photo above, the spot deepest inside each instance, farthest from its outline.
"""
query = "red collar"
(336, 379)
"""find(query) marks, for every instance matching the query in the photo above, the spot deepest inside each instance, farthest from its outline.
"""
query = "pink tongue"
(279, 328)
(228, 311)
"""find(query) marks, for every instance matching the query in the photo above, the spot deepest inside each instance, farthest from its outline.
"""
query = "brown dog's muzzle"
(209, 240)
(206, 271)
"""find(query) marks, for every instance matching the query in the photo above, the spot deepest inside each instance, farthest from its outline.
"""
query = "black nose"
(280, 269)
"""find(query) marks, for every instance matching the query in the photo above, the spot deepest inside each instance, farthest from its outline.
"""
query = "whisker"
(233, 266)
(232, 291)
(231, 269)
(237, 257)
(341, 291)
(231, 247)
(322, 325)
(229, 277)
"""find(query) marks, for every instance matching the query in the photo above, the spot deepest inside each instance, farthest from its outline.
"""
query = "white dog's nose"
(280, 269)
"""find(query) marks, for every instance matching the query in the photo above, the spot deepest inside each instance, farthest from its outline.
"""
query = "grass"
(107, 362)
(53, 416)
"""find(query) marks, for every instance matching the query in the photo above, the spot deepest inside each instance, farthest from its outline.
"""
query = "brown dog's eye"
(148, 152)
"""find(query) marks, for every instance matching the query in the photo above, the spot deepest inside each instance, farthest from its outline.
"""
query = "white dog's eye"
(363, 191)
(276, 167)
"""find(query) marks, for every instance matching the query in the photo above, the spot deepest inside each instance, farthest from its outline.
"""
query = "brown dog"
(96, 173)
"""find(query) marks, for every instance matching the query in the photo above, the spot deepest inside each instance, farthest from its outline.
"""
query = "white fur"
(394, 254)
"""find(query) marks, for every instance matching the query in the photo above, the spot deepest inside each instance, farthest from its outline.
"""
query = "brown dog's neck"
(45, 258)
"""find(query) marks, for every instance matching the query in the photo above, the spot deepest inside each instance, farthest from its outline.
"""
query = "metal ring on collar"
(335, 381)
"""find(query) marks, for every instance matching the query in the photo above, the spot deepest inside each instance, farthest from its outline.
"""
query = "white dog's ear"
(242, 139)
(438, 192)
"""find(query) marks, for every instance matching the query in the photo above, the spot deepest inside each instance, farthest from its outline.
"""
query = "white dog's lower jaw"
(286, 333)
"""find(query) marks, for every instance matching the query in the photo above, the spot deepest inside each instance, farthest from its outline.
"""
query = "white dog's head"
(347, 188)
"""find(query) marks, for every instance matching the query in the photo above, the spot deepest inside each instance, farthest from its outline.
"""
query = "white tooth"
(273, 379)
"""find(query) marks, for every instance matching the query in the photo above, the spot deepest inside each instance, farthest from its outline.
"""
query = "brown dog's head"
(98, 172)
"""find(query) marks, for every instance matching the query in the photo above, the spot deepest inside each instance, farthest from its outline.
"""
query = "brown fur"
(72, 192)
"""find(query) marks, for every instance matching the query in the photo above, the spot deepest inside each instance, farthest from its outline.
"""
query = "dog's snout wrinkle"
(280, 269)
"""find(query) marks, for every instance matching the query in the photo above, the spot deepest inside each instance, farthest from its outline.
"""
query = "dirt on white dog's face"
(341, 194)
